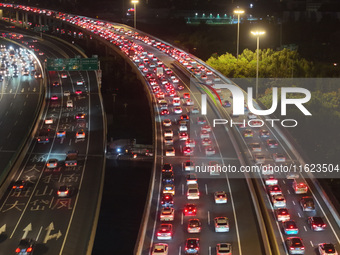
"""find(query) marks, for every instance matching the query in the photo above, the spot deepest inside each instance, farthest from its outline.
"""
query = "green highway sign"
(41, 28)
(72, 64)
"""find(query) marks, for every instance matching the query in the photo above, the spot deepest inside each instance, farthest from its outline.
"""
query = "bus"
(299, 186)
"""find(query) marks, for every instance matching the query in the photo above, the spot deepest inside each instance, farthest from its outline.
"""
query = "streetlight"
(134, 12)
(238, 12)
(257, 33)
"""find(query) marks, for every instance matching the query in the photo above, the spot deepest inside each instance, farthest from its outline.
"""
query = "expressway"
(188, 66)
(38, 211)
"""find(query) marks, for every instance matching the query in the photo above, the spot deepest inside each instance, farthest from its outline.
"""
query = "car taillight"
(66, 191)
(194, 210)
(38, 139)
(29, 249)
(186, 210)
(324, 225)
(159, 234)
(14, 187)
(302, 248)
(17, 250)
(314, 225)
(291, 248)
(186, 248)
(58, 192)
(21, 187)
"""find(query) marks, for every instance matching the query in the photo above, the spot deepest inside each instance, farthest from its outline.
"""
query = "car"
(264, 133)
(194, 226)
(54, 98)
(295, 245)
(290, 227)
(52, 163)
(168, 141)
(169, 189)
(49, 121)
(255, 147)
(206, 128)
(270, 181)
(61, 133)
(168, 133)
(282, 214)
(79, 92)
(204, 134)
(167, 200)
(165, 112)
(279, 157)
(190, 210)
(223, 249)
(163, 104)
(19, 185)
(184, 117)
(248, 133)
(55, 84)
(80, 116)
(193, 191)
(267, 169)
(63, 191)
(252, 116)
(183, 136)
(80, 134)
(259, 158)
(272, 143)
(69, 103)
(176, 102)
(25, 247)
(206, 141)
(278, 201)
(188, 151)
(189, 102)
(37, 75)
(226, 103)
(307, 204)
(191, 179)
(195, 110)
(166, 123)
(63, 75)
(210, 151)
(327, 249)
(220, 197)
(189, 165)
(201, 120)
(221, 224)
(186, 95)
(168, 177)
(67, 93)
(80, 83)
(192, 246)
(190, 143)
(167, 214)
(170, 152)
(164, 232)
(160, 249)
(316, 223)
(274, 190)
(183, 128)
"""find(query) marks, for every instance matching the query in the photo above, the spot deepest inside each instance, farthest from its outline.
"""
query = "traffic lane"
(93, 82)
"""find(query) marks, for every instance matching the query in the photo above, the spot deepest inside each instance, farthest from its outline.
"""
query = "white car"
(80, 134)
(168, 141)
(170, 152)
(223, 249)
(64, 191)
(278, 201)
(193, 191)
(160, 249)
(49, 121)
(205, 134)
(80, 83)
(221, 224)
(189, 102)
(209, 151)
(220, 197)
(168, 133)
(52, 163)
(69, 104)
(189, 165)
(195, 110)
(167, 214)
(206, 128)
(167, 123)
(67, 93)
(271, 181)
(191, 179)
(183, 128)
(178, 110)
(63, 75)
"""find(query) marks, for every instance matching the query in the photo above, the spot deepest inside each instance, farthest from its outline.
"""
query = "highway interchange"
(244, 231)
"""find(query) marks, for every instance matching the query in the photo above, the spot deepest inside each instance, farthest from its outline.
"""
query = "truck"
(71, 158)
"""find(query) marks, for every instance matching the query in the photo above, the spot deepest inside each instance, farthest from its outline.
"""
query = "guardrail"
(14, 163)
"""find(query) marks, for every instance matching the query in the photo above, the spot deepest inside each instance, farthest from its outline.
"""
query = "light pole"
(257, 33)
(238, 12)
(135, 2)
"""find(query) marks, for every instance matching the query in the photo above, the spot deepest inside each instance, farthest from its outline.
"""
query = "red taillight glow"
(291, 248)
(14, 187)
(17, 250)
(324, 225)
(302, 248)
(29, 249)
(21, 187)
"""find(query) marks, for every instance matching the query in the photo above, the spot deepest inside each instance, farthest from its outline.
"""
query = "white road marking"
(206, 189)
(305, 228)
(208, 217)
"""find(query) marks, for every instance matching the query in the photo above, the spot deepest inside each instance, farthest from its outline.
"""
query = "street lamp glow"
(257, 33)
(134, 12)
(238, 12)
